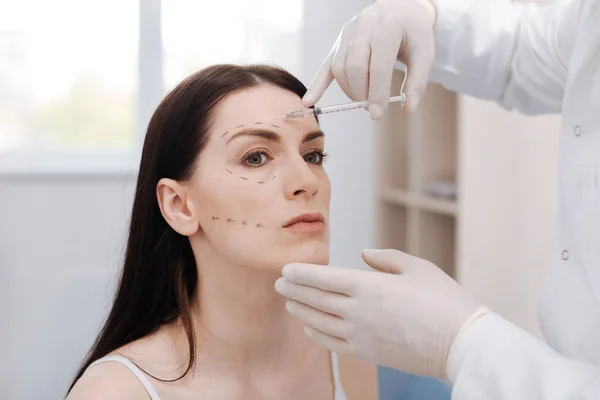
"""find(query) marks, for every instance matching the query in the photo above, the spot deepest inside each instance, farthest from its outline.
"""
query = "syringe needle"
(338, 107)
(300, 113)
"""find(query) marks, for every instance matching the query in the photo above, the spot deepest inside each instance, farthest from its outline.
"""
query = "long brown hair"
(159, 278)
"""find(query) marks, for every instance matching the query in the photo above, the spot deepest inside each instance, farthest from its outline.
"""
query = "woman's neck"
(238, 310)
(241, 321)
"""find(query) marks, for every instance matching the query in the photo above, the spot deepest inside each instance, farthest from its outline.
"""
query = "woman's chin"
(319, 256)
(310, 259)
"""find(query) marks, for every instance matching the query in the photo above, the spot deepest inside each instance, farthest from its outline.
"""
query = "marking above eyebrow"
(225, 134)
(230, 220)
(215, 218)
(258, 123)
(228, 171)
(244, 178)
(260, 226)
(239, 126)
(276, 126)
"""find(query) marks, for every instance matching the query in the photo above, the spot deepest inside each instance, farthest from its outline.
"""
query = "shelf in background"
(423, 202)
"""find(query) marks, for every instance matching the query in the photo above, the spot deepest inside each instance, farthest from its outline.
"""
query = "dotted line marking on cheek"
(244, 223)
(246, 179)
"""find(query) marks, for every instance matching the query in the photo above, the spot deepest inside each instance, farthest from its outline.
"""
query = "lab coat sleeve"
(495, 360)
(512, 53)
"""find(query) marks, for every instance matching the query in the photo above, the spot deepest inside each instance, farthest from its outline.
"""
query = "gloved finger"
(421, 56)
(338, 66)
(357, 69)
(321, 81)
(337, 345)
(383, 59)
(323, 322)
(390, 260)
(331, 279)
(332, 303)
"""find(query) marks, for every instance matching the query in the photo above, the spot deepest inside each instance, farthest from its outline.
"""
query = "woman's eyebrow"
(263, 133)
(272, 135)
(312, 136)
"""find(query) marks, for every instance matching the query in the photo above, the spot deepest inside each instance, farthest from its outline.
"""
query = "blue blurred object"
(394, 385)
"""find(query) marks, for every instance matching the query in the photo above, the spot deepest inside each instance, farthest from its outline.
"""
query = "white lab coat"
(537, 60)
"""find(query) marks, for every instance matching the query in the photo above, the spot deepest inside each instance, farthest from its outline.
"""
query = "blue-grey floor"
(394, 385)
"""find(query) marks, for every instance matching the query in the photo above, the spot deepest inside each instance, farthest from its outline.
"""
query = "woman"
(227, 194)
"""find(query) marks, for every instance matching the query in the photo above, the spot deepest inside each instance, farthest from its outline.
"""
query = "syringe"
(306, 112)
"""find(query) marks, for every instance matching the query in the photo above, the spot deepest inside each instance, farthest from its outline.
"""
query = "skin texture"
(249, 347)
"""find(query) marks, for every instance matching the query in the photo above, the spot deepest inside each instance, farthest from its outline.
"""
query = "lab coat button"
(565, 255)
(577, 130)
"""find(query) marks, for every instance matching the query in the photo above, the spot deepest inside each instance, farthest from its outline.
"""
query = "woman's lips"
(306, 223)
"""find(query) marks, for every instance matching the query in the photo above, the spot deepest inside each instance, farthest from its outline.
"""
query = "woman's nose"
(301, 181)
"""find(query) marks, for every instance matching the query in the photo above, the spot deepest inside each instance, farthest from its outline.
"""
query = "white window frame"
(108, 162)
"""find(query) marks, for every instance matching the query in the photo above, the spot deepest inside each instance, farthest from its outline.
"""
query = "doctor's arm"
(495, 360)
(512, 53)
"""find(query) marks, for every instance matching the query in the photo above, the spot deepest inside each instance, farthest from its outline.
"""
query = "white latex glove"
(363, 57)
(405, 317)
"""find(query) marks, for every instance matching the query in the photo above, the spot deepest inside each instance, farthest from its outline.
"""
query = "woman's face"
(257, 176)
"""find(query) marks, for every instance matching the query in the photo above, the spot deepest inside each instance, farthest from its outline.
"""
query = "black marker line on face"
(273, 177)
(276, 126)
(228, 171)
(244, 178)
(224, 134)
(230, 220)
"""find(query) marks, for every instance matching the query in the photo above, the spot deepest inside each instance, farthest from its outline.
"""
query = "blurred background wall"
(78, 82)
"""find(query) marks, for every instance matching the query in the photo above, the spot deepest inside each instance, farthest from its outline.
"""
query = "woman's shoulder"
(108, 380)
(115, 377)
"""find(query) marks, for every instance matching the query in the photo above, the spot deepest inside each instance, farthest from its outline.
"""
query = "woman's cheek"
(243, 205)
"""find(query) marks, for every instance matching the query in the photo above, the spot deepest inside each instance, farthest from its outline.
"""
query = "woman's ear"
(173, 202)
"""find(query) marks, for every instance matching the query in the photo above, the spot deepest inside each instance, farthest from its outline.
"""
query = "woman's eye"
(315, 157)
(256, 159)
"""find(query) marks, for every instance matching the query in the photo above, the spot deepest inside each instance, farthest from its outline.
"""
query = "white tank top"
(338, 390)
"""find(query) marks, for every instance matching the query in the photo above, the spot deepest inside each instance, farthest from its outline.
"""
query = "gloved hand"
(405, 318)
(363, 57)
